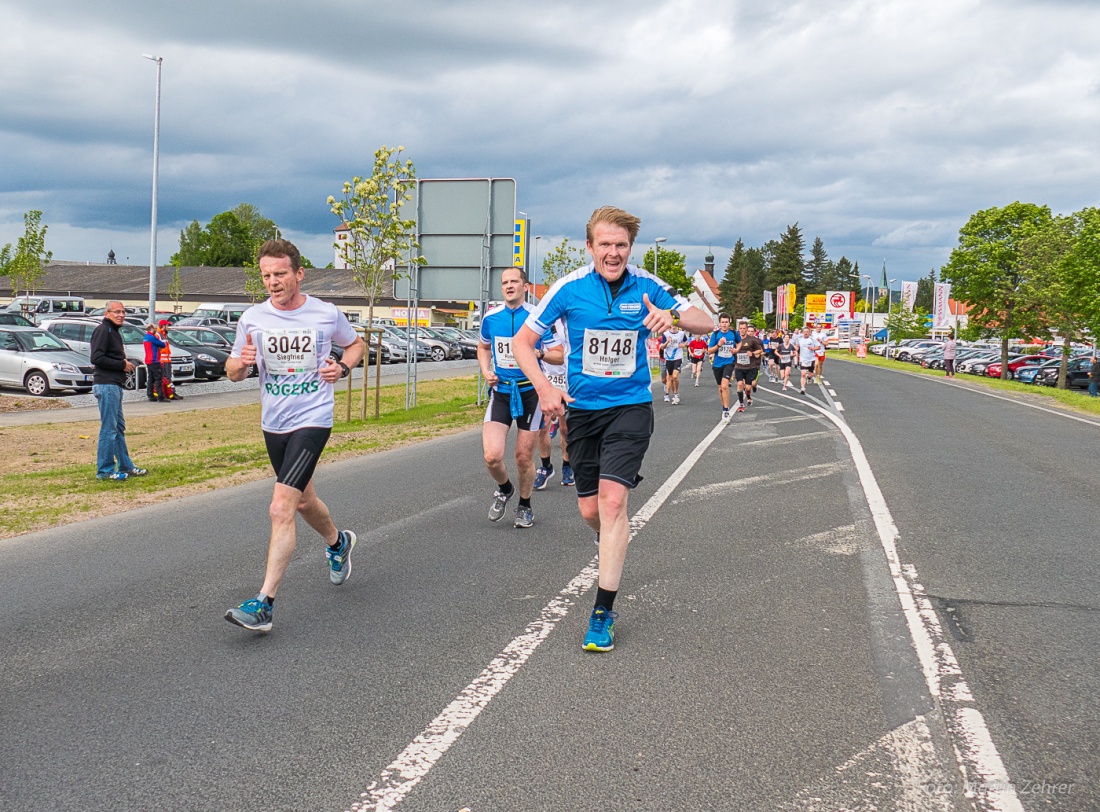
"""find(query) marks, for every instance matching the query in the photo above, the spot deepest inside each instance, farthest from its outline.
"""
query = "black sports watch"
(344, 367)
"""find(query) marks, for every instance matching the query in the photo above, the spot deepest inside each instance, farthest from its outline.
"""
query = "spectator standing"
(950, 349)
(1094, 375)
(111, 365)
(154, 372)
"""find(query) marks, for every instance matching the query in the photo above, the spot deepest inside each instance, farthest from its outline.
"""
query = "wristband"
(344, 367)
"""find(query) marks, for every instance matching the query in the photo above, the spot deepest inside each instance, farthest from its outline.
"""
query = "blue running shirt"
(497, 330)
(724, 356)
(604, 338)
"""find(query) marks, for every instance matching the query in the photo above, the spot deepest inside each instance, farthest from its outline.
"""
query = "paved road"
(764, 659)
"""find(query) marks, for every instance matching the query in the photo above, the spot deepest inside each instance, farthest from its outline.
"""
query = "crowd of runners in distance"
(740, 355)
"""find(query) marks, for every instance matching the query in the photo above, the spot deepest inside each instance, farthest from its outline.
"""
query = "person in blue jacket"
(608, 309)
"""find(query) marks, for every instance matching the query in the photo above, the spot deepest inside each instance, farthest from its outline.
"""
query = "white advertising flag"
(838, 301)
(768, 306)
(941, 312)
(909, 294)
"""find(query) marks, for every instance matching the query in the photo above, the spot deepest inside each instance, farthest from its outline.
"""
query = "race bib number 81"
(610, 353)
(290, 351)
(502, 352)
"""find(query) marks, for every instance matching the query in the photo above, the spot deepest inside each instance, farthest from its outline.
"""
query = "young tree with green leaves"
(987, 270)
(562, 259)
(28, 265)
(902, 322)
(175, 286)
(670, 268)
(378, 236)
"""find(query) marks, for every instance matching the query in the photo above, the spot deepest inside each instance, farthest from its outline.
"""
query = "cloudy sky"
(877, 125)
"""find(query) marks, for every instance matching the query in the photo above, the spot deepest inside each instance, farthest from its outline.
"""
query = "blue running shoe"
(542, 476)
(601, 630)
(567, 478)
(254, 614)
(339, 560)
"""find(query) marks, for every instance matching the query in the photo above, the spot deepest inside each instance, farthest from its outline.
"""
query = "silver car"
(40, 362)
(77, 333)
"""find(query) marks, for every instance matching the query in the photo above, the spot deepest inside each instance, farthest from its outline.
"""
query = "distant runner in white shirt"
(807, 355)
(819, 354)
(672, 344)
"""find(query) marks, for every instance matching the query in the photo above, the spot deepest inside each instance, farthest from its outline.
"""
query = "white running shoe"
(667, 398)
(675, 400)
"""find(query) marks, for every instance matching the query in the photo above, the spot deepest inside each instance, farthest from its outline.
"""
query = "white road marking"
(977, 756)
(791, 438)
(777, 478)
(416, 760)
(839, 406)
(900, 767)
(832, 392)
(837, 541)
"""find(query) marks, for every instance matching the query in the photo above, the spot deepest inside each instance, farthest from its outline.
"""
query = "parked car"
(451, 348)
(77, 333)
(15, 320)
(423, 346)
(906, 353)
(1077, 373)
(39, 308)
(1026, 374)
(228, 312)
(201, 321)
(209, 362)
(994, 369)
(467, 344)
(38, 361)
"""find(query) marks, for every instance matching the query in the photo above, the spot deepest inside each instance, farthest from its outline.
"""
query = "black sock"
(506, 488)
(740, 397)
(525, 501)
(270, 601)
(546, 463)
(605, 598)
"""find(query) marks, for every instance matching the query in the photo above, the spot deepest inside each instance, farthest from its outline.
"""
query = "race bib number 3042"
(290, 351)
(610, 353)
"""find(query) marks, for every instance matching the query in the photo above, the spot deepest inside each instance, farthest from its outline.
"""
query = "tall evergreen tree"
(815, 277)
(754, 259)
(727, 288)
(926, 292)
(845, 275)
(786, 264)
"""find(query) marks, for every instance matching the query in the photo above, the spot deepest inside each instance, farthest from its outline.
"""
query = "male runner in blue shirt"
(608, 309)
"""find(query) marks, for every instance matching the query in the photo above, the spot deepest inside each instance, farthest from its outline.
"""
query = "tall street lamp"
(871, 321)
(657, 250)
(156, 169)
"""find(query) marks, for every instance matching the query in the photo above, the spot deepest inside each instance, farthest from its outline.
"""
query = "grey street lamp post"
(153, 226)
(657, 250)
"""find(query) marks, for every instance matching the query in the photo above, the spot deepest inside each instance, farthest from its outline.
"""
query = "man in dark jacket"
(1094, 375)
(111, 365)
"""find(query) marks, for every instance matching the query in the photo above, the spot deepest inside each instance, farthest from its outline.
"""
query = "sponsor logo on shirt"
(630, 307)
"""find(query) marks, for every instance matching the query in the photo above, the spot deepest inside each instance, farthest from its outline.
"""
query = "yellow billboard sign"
(815, 303)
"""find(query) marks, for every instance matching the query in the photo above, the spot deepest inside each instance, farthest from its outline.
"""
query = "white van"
(229, 312)
(38, 308)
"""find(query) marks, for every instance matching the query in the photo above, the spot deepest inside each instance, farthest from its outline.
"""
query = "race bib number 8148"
(610, 353)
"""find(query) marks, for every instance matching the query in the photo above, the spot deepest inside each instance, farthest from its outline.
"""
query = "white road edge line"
(416, 760)
(983, 772)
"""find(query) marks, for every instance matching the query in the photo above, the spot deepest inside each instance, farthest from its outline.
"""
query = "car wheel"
(439, 354)
(132, 381)
(37, 383)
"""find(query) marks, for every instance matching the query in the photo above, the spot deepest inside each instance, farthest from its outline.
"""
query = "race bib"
(502, 353)
(725, 351)
(610, 353)
(785, 357)
(290, 351)
(558, 381)
(743, 358)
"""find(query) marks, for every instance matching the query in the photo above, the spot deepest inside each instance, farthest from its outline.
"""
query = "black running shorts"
(673, 366)
(294, 455)
(722, 373)
(499, 409)
(746, 375)
(608, 444)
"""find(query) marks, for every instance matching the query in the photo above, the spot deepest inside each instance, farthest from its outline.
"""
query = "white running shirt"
(291, 348)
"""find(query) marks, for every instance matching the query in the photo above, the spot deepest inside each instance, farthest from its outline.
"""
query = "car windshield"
(42, 341)
(183, 339)
(131, 334)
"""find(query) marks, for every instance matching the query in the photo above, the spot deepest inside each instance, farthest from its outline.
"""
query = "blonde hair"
(615, 217)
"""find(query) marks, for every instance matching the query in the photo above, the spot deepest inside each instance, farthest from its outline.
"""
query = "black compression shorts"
(294, 455)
